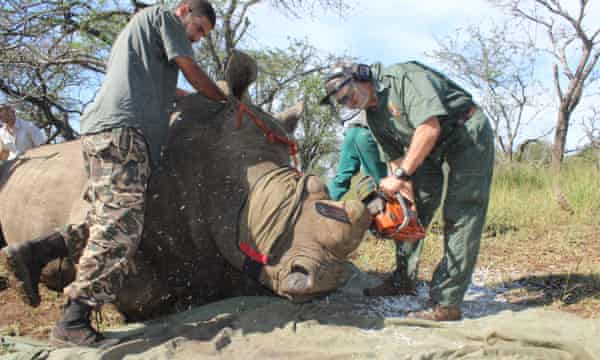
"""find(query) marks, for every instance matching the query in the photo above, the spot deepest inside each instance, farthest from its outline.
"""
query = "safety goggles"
(332, 90)
(338, 103)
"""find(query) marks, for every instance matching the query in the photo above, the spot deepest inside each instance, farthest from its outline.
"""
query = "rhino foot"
(19, 277)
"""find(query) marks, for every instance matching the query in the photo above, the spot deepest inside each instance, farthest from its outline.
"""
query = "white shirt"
(26, 136)
(358, 117)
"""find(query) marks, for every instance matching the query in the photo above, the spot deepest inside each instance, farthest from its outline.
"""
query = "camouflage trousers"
(118, 168)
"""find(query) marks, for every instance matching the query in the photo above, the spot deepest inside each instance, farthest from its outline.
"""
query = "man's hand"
(180, 93)
(198, 78)
(390, 185)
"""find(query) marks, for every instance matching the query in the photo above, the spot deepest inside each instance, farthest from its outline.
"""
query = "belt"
(358, 125)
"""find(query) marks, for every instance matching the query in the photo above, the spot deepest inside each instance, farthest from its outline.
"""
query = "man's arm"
(421, 145)
(198, 78)
(179, 93)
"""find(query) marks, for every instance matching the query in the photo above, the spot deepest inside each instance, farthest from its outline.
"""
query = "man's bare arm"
(421, 145)
(198, 78)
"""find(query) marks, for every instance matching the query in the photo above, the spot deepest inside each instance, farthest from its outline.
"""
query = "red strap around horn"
(271, 136)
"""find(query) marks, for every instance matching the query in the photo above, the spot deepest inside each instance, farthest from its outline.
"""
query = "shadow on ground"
(540, 290)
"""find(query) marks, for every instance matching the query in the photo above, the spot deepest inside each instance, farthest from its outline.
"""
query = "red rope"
(271, 136)
(253, 254)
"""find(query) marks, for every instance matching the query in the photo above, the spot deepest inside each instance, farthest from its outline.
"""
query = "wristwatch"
(401, 174)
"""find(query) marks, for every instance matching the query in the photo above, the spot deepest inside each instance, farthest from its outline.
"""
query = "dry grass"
(554, 255)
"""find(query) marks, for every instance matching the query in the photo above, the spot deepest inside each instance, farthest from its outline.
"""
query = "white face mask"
(352, 95)
(348, 100)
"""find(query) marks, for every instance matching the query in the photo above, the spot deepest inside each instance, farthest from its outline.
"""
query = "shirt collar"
(381, 81)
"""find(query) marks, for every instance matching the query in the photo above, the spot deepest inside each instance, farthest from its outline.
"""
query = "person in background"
(359, 149)
(16, 135)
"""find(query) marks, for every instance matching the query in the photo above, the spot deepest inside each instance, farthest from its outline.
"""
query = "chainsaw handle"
(405, 210)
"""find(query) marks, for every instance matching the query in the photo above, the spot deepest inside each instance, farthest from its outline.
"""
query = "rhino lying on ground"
(224, 186)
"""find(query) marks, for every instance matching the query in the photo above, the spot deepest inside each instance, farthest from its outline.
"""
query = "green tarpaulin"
(341, 326)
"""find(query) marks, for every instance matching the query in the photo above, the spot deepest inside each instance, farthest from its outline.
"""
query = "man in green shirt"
(422, 120)
(123, 132)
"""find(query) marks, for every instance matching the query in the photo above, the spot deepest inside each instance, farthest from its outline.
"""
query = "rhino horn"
(289, 117)
(241, 71)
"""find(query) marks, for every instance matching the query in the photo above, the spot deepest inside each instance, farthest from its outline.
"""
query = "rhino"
(226, 214)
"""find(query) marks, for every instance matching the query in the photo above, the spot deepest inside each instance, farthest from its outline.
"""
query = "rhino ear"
(289, 117)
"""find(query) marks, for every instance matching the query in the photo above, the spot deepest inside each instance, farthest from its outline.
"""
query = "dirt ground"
(562, 275)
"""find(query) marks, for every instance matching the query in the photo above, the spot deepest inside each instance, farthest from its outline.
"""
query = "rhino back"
(41, 191)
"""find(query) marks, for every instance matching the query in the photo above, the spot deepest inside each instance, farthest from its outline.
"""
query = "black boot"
(25, 261)
(75, 328)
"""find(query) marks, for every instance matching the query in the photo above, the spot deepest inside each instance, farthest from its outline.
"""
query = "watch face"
(400, 173)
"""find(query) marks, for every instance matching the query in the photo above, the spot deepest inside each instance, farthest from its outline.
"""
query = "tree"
(52, 53)
(501, 70)
(317, 132)
(49, 49)
(286, 75)
(574, 43)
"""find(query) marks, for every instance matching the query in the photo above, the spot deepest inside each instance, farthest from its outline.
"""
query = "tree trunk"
(558, 150)
(560, 139)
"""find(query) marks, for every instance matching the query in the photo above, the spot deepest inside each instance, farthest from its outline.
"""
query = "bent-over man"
(422, 120)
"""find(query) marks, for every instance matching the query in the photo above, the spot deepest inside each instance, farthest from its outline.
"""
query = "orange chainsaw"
(397, 221)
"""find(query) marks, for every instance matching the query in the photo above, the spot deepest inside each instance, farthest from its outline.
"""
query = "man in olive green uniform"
(359, 149)
(421, 120)
(123, 132)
